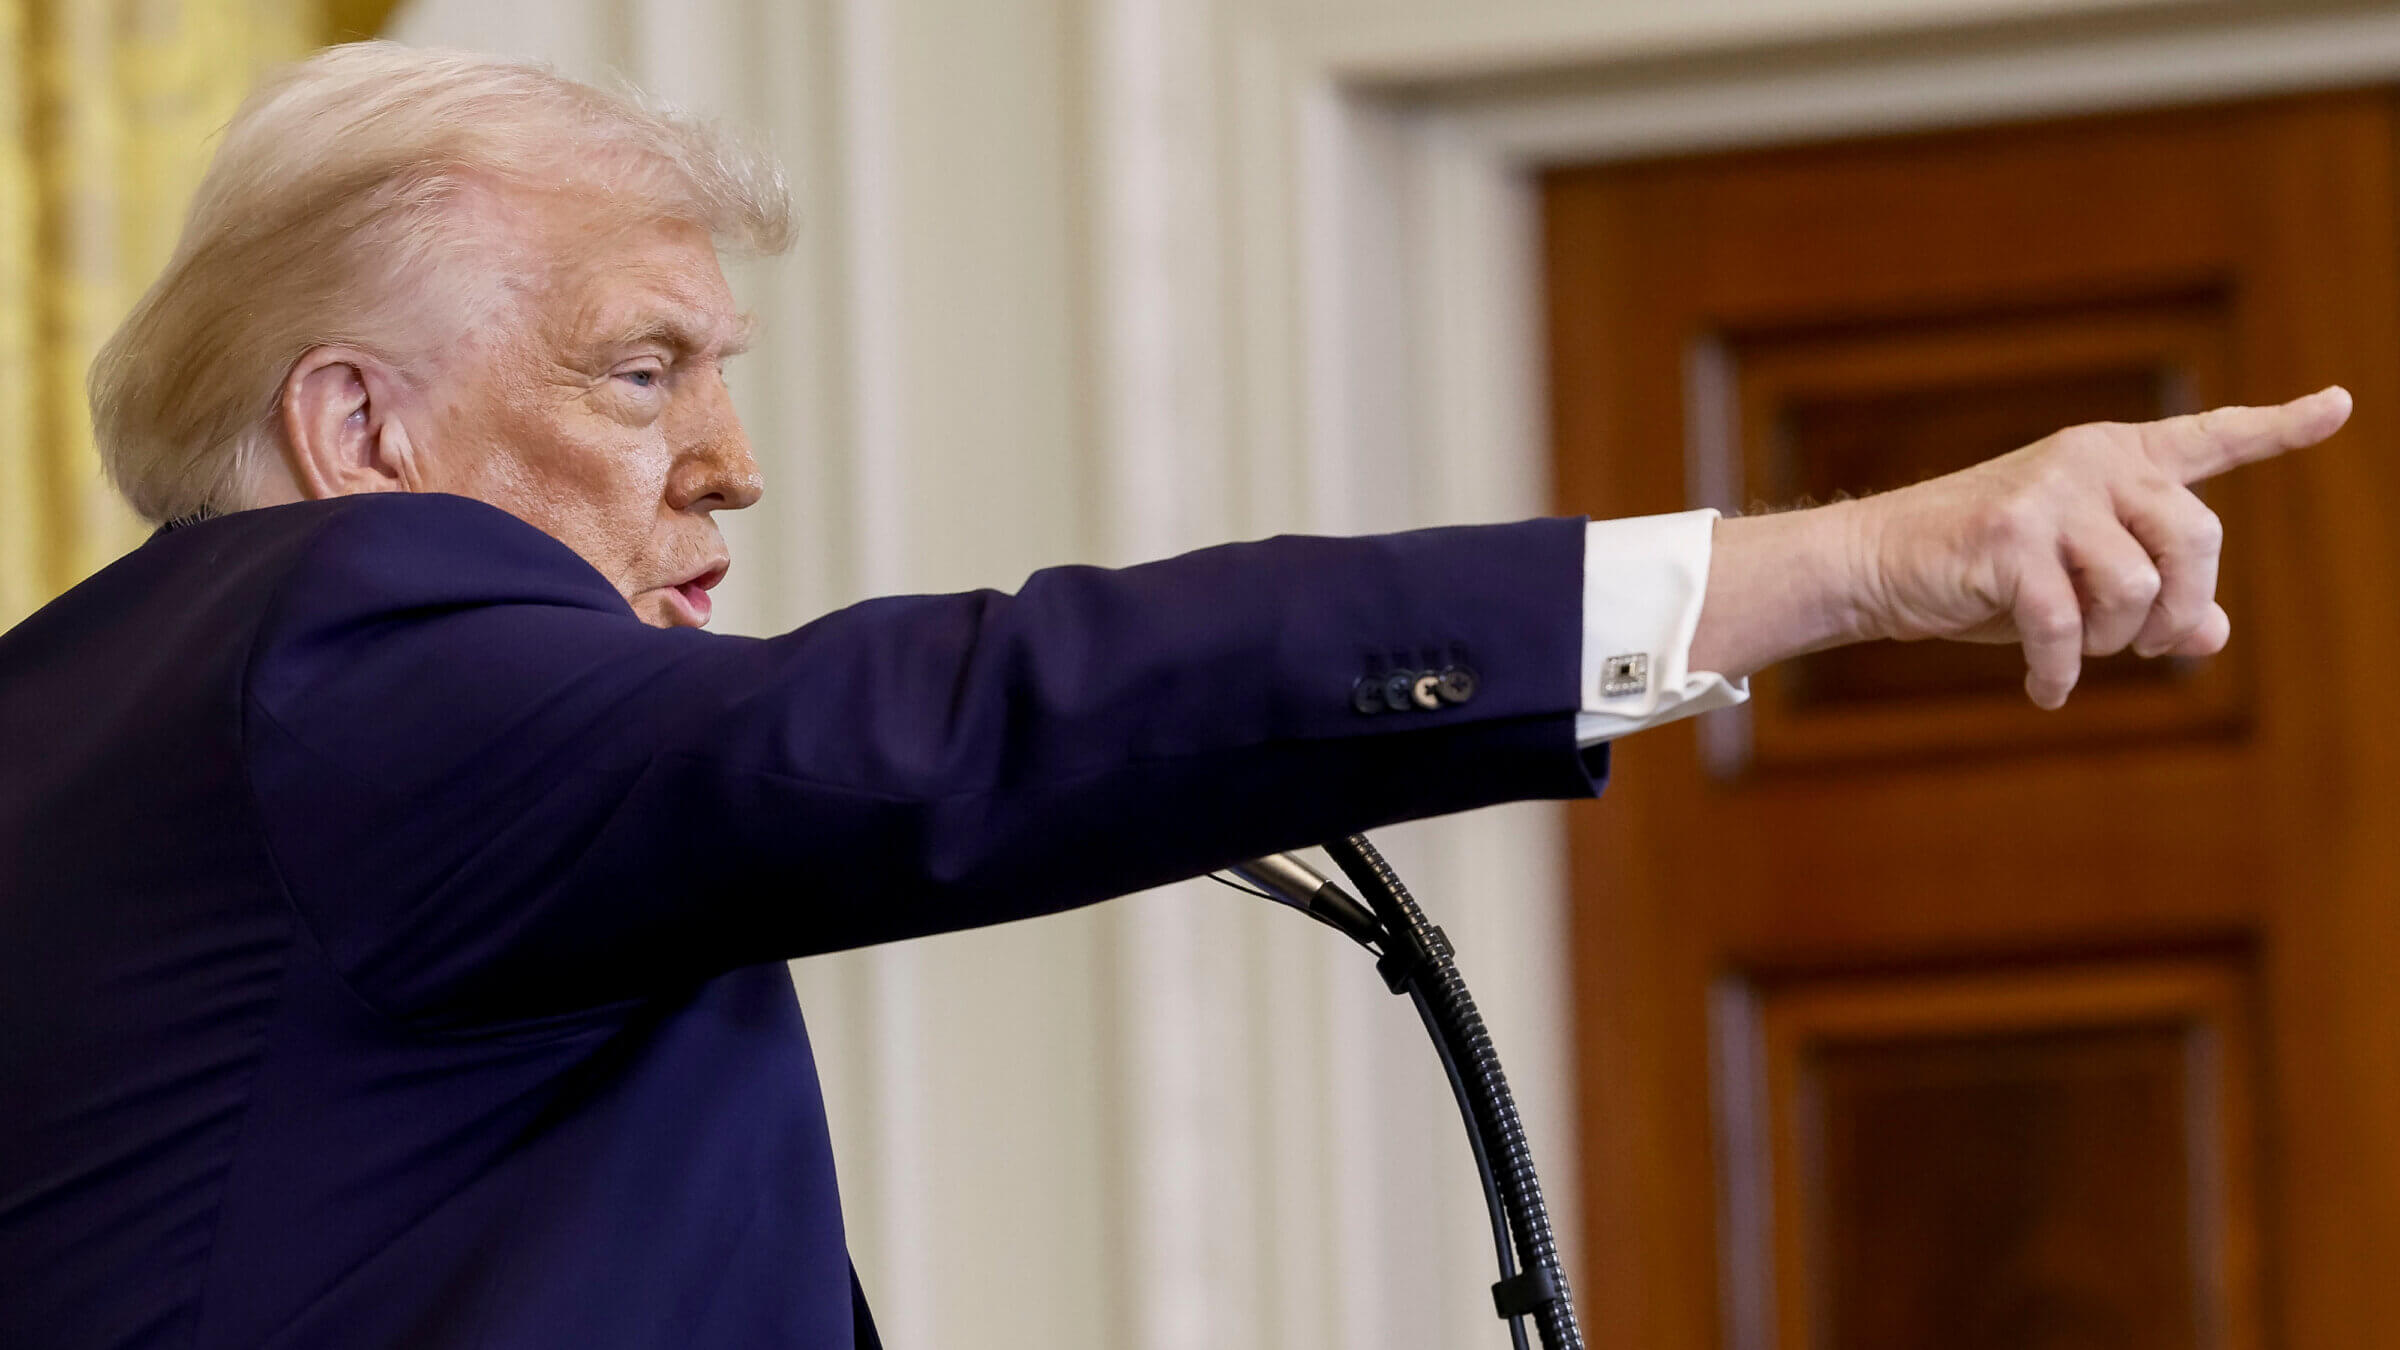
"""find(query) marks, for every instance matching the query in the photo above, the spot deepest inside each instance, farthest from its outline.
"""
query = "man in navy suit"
(395, 882)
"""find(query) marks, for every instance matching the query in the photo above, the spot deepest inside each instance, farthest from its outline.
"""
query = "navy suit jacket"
(392, 926)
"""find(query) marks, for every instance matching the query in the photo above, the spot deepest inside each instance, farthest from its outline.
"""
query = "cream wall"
(1105, 279)
(913, 396)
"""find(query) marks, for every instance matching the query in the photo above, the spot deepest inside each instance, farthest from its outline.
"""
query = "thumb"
(2209, 637)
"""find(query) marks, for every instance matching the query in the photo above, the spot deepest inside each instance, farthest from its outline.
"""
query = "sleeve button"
(1396, 690)
(1423, 690)
(1456, 685)
(1367, 694)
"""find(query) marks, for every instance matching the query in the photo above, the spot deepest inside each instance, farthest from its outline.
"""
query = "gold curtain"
(108, 113)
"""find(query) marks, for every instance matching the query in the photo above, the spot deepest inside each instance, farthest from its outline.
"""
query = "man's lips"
(694, 593)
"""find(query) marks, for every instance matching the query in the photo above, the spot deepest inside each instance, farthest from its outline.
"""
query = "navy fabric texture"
(392, 926)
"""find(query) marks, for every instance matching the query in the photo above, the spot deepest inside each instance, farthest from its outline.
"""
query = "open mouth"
(694, 593)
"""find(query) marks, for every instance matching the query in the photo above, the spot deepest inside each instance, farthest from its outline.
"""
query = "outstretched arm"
(2084, 543)
(493, 793)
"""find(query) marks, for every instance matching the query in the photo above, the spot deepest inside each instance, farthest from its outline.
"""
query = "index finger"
(2204, 445)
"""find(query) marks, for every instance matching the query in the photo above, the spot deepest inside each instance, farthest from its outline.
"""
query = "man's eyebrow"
(684, 338)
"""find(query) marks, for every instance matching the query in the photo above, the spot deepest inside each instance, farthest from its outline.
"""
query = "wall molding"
(2017, 81)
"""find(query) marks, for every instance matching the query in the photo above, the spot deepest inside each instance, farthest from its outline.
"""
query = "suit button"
(1422, 690)
(1396, 687)
(1456, 685)
(1367, 694)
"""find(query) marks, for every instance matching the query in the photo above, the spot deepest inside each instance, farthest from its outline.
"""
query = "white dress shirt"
(1643, 581)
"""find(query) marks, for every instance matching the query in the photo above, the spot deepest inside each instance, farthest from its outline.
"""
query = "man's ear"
(341, 429)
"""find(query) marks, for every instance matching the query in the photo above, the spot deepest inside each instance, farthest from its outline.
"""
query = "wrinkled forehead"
(606, 273)
(671, 298)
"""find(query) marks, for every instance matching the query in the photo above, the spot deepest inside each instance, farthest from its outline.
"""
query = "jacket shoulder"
(386, 561)
(418, 548)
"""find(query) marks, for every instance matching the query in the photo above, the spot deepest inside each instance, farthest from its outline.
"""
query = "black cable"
(1417, 960)
(1483, 1158)
(1414, 958)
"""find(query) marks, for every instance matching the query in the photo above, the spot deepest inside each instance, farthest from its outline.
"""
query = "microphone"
(1295, 883)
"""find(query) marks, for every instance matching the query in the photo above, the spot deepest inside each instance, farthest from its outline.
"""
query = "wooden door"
(1911, 1016)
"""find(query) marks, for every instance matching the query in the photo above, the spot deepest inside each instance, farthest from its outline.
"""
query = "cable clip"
(1405, 958)
(1524, 1293)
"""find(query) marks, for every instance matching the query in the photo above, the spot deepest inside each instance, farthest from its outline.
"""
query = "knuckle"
(2011, 521)
(1995, 523)
(2094, 440)
(2205, 533)
(2086, 436)
(2133, 586)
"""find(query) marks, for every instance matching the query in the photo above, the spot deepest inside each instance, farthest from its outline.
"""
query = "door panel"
(2049, 1157)
(1813, 415)
(1910, 1015)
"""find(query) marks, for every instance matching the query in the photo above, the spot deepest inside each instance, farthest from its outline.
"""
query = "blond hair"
(325, 218)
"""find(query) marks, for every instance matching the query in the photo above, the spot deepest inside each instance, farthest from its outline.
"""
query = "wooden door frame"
(1439, 180)
(2323, 915)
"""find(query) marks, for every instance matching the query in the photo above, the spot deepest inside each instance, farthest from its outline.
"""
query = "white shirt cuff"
(1643, 581)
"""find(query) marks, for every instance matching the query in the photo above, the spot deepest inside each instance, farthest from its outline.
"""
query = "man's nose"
(720, 474)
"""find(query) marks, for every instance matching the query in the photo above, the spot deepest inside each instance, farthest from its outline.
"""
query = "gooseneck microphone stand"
(1415, 959)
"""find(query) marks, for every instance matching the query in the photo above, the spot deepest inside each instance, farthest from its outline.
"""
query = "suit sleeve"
(492, 792)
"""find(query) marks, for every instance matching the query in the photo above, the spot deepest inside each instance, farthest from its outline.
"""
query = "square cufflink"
(1624, 675)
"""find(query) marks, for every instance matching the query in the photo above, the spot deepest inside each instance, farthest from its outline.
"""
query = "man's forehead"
(639, 291)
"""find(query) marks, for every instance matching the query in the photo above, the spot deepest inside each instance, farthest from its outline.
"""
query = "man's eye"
(640, 379)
